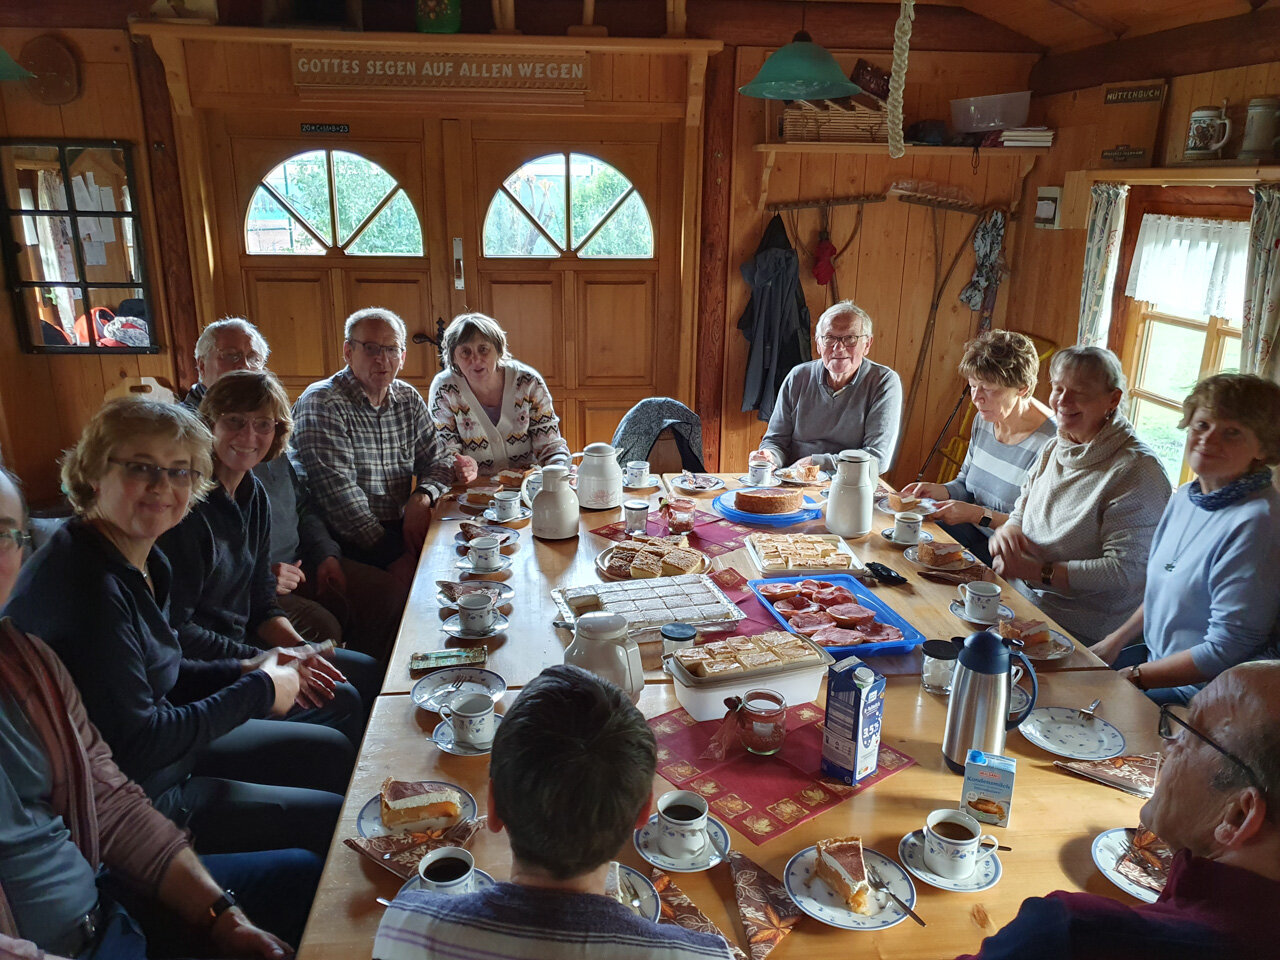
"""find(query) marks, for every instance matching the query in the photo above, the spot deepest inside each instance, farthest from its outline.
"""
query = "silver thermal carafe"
(978, 712)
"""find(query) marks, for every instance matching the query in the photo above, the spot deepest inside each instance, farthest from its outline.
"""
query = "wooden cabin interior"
(197, 127)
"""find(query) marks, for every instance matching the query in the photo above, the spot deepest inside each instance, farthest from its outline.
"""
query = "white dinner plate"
(822, 903)
(482, 881)
(1060, 730)
(436, 688)
(1108, 847)
(925, 537)
(786, 475)
(926, 508)
(442, 737)
(369, 820)
(1002, 613)
(713, 483)
(986, 873)
(714, 851)
(966, 560)
(650, 903)
(453, 627)
(1059, 647)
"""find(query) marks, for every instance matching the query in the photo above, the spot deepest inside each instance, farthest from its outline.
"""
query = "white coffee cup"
(637, 473)
(471, 717)
(760, 472)
(906, 527)
(681, 837)
(438, 872)
(477, 613)
(981, 599)
(505, 504)
(484, 553)
(954, 844)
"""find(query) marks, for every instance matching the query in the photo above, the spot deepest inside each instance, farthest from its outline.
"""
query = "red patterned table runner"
(762, 797)
(711, 534)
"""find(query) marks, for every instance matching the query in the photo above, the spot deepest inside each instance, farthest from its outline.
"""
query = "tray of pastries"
(783, 554)
(644, 557)
(649, 603)
(756, 657)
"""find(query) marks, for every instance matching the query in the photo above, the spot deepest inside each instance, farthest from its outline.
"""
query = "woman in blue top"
(1211, 599)
(1011, 428)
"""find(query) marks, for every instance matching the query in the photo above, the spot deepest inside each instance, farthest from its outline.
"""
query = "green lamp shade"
(10, 69)
(801, 70)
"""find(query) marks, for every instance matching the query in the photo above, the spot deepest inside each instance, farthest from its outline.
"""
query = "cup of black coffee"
(954, 844)
(682, 824)
(447, 870)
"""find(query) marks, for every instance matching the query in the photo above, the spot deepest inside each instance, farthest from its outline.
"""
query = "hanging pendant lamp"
(801, 70)
(10, 69)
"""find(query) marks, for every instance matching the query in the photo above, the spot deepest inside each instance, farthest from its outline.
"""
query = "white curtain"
(1262, 299)
(1106, 224)
(1191, 267)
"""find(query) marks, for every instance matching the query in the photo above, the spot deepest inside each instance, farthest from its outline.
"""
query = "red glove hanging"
(823, 268)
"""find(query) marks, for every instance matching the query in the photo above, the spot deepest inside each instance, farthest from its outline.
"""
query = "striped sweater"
(527, 431)
(992, 473)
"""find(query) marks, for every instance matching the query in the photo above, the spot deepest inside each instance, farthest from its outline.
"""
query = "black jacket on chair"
(776, 320)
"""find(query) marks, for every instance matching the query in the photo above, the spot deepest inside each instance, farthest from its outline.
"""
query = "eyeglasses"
(847, 342)
(373, 349)
(1167, 721)
(11, 540)
(261, 425)
(253, 361)
(151, 473)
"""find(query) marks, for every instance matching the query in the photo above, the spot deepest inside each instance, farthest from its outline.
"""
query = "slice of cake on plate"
(899, 503)
(1030, 632)
(427, 806)
(646, 565)
(938, 553)
(841, 867)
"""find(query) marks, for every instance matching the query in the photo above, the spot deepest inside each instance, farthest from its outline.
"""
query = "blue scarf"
(1233, 492)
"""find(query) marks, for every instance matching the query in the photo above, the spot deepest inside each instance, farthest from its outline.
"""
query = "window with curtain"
(1187, 279)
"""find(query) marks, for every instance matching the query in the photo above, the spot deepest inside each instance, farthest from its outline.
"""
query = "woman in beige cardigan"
(1077, 541)
(492, 411)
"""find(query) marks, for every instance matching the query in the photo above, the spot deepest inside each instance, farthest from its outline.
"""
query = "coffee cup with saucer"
(954, 844)
(681, 833)
(986, 873)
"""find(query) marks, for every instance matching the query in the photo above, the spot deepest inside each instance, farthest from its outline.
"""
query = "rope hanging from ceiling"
(898, 75)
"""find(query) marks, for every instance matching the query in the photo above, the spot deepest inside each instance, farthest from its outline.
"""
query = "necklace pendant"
(1171, 564)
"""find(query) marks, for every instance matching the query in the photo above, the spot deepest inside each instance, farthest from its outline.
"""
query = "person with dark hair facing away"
(571, 776)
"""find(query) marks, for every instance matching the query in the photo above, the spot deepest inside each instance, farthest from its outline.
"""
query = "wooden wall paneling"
(403, 292)
(599, 418)
(615, 329)
(631, 77)
(465, 206)
(688, 249)
(529, 307)
(601, 78)
(294, 307)
(431, 203)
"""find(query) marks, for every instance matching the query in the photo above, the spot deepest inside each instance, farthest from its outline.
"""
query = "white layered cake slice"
(410, 803)
(841, 867)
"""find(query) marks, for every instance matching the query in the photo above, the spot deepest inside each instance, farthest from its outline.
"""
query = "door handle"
(459, 280)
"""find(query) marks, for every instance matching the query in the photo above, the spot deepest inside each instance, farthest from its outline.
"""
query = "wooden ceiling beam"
(853, 26)
(1113, 26)
(1197, 48)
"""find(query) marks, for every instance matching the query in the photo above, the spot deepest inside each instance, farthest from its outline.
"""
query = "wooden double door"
(601, 330)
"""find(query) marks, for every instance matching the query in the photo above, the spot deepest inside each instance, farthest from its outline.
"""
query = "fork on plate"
(629, 889)
(1086, 713)
(873, 878)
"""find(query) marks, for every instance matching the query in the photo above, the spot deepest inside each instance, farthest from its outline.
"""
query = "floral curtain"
(1262, 286)
(1190, 266)
(1106, 224)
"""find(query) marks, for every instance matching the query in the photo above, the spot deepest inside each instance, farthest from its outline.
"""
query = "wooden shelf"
(1218, 174)
(870, 148)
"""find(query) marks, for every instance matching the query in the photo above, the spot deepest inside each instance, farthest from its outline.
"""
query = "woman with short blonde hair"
(1011, 428)
(493, 412)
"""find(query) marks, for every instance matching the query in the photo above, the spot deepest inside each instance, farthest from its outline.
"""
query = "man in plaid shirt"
(363, 437)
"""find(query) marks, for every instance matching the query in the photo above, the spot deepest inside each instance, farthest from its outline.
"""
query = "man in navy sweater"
(1217, 804)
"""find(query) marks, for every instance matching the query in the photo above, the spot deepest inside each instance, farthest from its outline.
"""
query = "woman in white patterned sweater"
(1076, 544)
(492, 411)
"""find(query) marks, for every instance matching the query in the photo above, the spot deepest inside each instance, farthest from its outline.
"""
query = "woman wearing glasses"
(493, 412)
(14, 537)
(223, 599)
(1011, 428)
(1211, 601)
(97, 593)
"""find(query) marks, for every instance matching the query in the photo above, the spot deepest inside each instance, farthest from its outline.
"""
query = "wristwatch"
(1046, 574)
(1135, 676)
(986, 519)
(221, 906)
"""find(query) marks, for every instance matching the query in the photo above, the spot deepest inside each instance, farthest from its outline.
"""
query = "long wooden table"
(531, 643)
(1054, 819)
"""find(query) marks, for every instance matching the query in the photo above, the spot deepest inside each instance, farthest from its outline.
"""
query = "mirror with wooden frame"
(73, 247)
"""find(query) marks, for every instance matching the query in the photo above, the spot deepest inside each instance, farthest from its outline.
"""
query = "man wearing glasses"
(363, 437)
(1216, 805)
(841, 401)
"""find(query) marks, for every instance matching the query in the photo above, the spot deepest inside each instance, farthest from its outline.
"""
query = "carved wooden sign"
(336, 67)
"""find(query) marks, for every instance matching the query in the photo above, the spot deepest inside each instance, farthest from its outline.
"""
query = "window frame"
(1217, 331)
(17, 287)
(335, 248)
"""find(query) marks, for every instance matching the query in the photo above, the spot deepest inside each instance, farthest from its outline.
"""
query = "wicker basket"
(804, 123)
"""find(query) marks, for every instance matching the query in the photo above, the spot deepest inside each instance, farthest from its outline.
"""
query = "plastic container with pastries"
(703, 697)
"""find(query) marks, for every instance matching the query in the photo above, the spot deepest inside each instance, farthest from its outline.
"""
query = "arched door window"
(567, 203)
(331, 200)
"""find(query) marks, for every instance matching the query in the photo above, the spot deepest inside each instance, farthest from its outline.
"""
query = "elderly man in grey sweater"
(841, 401)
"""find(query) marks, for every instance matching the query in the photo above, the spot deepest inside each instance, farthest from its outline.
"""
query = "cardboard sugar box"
(988, 787)
(855, 705)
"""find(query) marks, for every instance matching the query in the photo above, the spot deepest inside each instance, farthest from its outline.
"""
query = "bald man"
(1217, 804)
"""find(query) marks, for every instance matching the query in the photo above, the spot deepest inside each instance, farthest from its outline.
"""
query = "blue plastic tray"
(766, 519)
(911, 637)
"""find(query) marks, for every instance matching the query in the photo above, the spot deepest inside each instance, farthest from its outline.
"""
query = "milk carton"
(855, 704)
(988, 787)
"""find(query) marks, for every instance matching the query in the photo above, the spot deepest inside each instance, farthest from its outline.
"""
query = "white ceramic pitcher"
(599, 477)
(851, 494)
(602, 645)
(555, 508)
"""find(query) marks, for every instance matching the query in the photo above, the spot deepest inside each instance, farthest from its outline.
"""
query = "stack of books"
(1026, 137)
